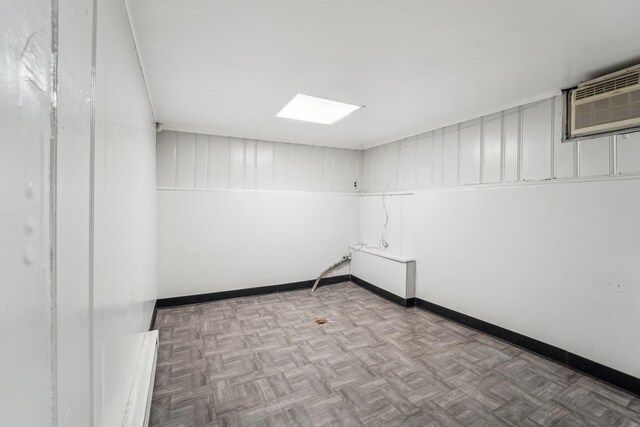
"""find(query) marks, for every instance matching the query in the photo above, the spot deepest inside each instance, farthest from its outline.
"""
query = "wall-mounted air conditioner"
(605, 104)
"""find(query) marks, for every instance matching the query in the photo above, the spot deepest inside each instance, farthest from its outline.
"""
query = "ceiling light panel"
(316, 110)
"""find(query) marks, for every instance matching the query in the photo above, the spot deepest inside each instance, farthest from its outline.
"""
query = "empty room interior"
(320, 213)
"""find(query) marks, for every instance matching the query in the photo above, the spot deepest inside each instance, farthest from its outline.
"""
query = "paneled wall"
(520, 144)
(26, 358)
(188, 160)
(124, 285)
(77, 226)
(503, 252)
(207, 239)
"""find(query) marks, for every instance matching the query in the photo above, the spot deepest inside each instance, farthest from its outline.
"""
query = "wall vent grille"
(608, 85)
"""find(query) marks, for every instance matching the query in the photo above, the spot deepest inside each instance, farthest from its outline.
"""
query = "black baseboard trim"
(237, 293)
(612, 376)
(153, 316)
(409, 302)
(604, 373)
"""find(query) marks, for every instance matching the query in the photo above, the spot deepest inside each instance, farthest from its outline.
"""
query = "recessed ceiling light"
(316, 110)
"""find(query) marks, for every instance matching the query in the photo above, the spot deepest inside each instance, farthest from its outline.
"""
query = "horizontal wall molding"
(612, 376)
(516, 184)
(247, 292)
(223, 190)
(578, 180)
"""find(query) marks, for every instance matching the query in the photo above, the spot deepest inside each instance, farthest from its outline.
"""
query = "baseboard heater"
(388, 274)
(139, 404)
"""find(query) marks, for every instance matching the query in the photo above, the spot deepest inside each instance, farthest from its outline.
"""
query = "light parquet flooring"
(264, 361)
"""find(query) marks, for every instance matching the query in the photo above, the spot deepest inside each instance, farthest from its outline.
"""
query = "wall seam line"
(142, 70)
(442, 158)
(208, 161)
(195, 149)
(175, 159)
(553, 170)
(503, 143)
(52, 249)
(481, 171)
(92, 180)
(614, 156)
(458, 155)
(520, 144)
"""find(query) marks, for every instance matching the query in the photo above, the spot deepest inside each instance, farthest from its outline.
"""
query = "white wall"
(125, 214)
(26, 312)
(399, 233)
(558, 263)
(512, 226)
(73, 326)
(237, 213)
(188, 160)
(210, 241)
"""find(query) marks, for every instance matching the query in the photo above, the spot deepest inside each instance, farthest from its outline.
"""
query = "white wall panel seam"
(614, 155)
(255, 163)
(502, 147)
(481, 171)
(52, 196)
(175, 159)
(324, 168)
(553, 170)
(432, 161)
(402, 224)
(195, 155)
(458, 155)
(577, 167)
(415, 162)
(273, 165)
(346, 173)
(519, 145)
(244, 163)
(228, 142)
(208, 161)
(92, 215)
(576, 158)
(442, 159)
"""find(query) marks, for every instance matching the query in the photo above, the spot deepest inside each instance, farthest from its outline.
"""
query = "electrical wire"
(382, 243)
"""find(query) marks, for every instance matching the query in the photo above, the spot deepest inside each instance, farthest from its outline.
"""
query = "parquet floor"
(264, 361)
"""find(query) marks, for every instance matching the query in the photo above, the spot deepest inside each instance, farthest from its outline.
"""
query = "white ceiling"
(227, 66)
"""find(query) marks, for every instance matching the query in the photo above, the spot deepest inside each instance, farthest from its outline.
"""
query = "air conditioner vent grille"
(608, 85)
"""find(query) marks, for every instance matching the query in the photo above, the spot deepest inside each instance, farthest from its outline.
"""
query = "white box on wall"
(394, 273)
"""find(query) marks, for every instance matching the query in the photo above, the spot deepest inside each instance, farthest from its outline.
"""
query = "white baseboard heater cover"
(139, 405)
(395, 273)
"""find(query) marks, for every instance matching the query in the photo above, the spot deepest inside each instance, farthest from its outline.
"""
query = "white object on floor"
(139, 405)
(395, 273)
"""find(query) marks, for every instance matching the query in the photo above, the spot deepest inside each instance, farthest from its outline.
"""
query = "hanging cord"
(382, 243)
(383, 239)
